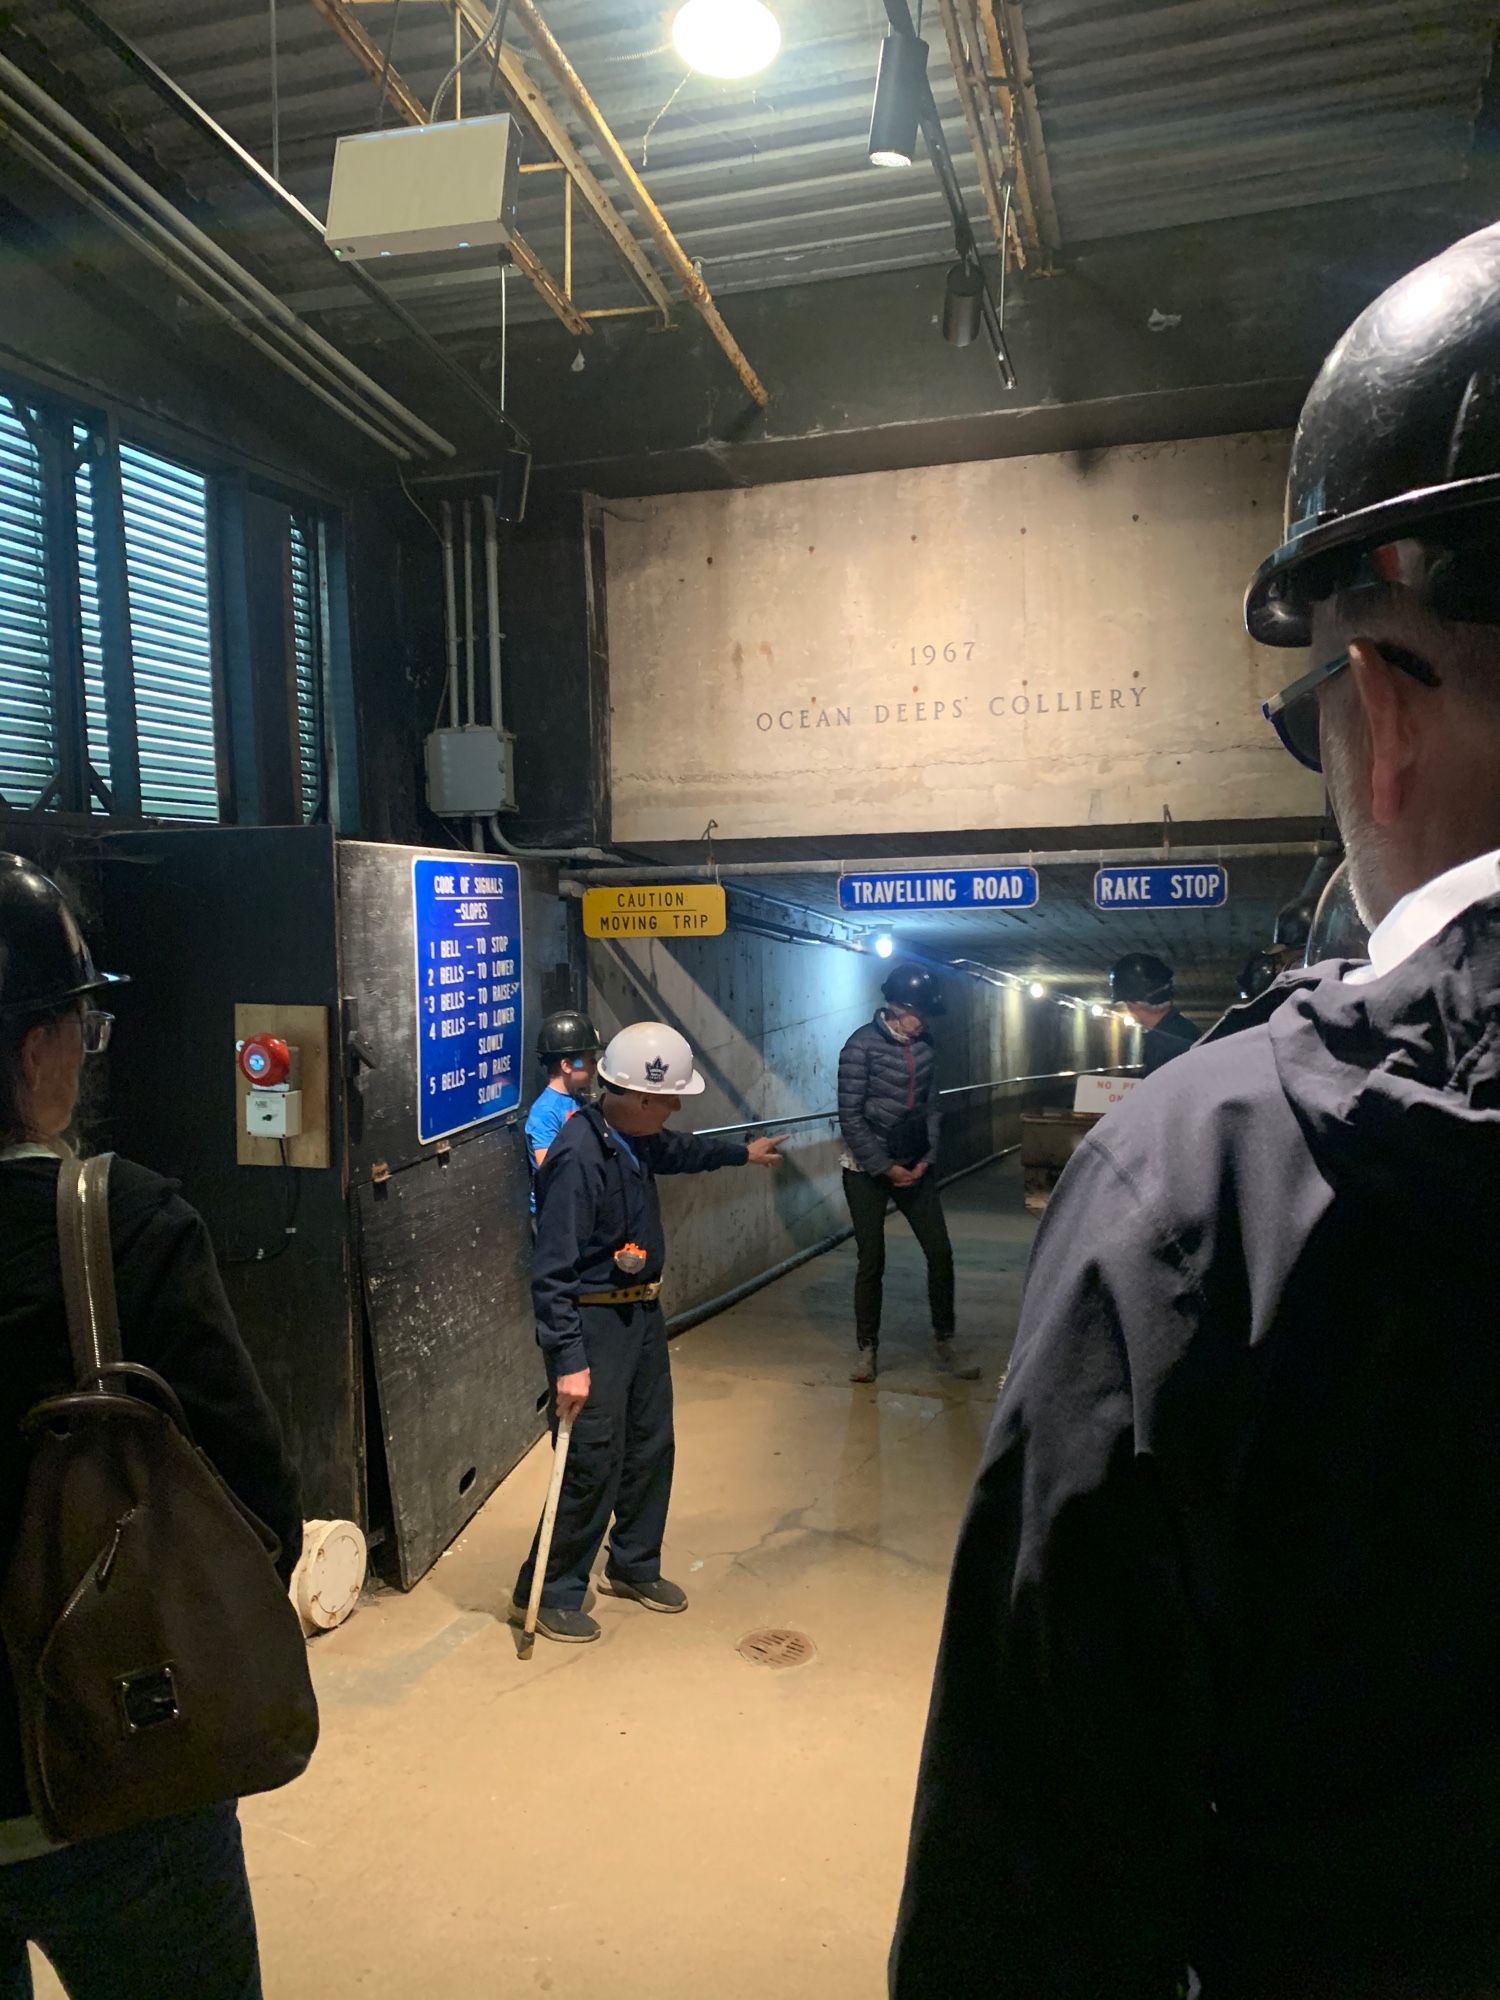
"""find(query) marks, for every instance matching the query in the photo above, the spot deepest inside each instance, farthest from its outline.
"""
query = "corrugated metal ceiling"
(1172, 111)
(1155, 112)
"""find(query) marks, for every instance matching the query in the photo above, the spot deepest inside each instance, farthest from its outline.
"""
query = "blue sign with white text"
(1167, 885)
(996, 888)
(469, 1025)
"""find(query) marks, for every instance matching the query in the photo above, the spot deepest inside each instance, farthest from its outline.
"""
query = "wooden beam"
(339, 16)
(687, 273)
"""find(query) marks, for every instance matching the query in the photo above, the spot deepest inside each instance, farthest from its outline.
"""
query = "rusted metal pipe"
(525, 97)
(698, 293)
(1010, 61)
(969, 92)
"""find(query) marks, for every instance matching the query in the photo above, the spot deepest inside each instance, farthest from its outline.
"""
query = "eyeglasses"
(1293, 713)
(97, 1029)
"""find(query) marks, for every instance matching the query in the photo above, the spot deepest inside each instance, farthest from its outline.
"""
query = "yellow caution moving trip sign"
(655, 909)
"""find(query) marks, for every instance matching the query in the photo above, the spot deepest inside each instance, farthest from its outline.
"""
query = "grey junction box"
(421, 188)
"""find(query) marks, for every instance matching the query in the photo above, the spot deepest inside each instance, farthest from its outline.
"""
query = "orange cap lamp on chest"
(265, 1061)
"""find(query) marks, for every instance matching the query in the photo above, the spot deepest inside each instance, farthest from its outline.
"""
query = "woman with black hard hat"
(888, 1113)
(1142, 985)
(163, 1910)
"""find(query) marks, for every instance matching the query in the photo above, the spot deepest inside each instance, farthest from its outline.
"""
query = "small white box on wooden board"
(1097, 1094)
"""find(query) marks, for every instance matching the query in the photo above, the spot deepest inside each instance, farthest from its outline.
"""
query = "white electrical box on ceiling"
(470, 772)
(421, 188)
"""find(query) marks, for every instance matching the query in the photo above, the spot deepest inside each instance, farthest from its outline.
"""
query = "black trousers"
(160, 1912)
(922, 1205)
(620, 1461)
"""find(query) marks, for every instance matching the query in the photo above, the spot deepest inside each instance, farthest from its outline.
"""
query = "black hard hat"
(1338, 930)
(1262, 971)
(1294, 919)
(1138, 976)
(915, 987)
(566, 1033)
(1399, 441)
(44, 961)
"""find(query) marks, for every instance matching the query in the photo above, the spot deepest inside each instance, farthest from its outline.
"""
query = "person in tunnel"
(888, 1114)
(596, 1274)
(162, 1909)
(1143, 986)
(1217, 1687)
(567, 1047)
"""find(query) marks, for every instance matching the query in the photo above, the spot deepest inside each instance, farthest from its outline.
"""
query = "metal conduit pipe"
(52, 154)
(19, 93)
(468, 521)
(173, 95)
(450, 609)
(135, 226)
(492, 607)
(956, 1090)
(937, 864)
(506, 846)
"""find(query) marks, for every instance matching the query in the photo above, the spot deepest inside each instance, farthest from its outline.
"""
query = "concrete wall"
(767, 1019)
(1035, 642)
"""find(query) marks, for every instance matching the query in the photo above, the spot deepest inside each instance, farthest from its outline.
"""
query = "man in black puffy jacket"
(888, 1112)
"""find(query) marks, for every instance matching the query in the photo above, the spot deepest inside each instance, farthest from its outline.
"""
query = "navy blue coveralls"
(595, 1193)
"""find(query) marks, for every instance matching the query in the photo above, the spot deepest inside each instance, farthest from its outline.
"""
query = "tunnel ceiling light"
(727, 39)
(1037, 990)
(963, 304)
(1097, 1011)
(885, 944)
(900, 87)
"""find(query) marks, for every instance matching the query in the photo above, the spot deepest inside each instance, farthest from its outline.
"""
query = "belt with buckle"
(623, 1295)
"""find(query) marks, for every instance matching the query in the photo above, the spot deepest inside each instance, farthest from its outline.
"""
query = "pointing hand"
(763, 1153)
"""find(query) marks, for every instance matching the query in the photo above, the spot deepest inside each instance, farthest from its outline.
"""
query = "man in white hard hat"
(595, 1278)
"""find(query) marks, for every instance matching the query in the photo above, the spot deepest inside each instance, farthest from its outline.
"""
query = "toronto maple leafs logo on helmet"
(656, 1070)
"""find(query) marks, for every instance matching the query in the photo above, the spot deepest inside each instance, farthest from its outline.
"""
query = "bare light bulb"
(1037, 990)
(726, 38)
(885, 944)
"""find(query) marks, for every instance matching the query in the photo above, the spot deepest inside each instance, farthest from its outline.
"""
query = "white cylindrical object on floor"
(328, 1580)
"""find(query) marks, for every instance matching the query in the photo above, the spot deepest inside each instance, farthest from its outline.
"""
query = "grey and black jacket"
(888, 1098)
(1218, 1681)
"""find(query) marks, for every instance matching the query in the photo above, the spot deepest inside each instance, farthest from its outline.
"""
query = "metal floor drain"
(777, 1649)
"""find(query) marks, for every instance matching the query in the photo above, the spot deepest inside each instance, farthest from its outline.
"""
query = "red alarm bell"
(265, 1061)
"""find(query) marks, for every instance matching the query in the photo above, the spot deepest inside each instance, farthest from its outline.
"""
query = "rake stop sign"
(1163, 886)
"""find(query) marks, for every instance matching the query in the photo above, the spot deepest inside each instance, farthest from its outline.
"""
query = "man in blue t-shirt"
(567, 1046)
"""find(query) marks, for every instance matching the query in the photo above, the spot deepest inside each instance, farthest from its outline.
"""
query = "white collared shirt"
(1418, 917)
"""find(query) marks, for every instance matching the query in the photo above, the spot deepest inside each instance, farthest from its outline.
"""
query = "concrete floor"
(652, 1817)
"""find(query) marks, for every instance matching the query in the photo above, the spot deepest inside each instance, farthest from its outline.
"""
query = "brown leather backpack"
(159, 1665)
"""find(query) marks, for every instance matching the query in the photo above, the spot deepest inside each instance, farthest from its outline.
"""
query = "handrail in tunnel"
(955, 1090)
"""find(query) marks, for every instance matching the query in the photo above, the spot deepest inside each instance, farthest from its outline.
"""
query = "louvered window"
(171, 635)
(308, 654)
(142, 671)
(88, 597)
(27, 739)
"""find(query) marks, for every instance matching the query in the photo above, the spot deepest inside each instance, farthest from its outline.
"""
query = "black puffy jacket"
(888, 1098)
